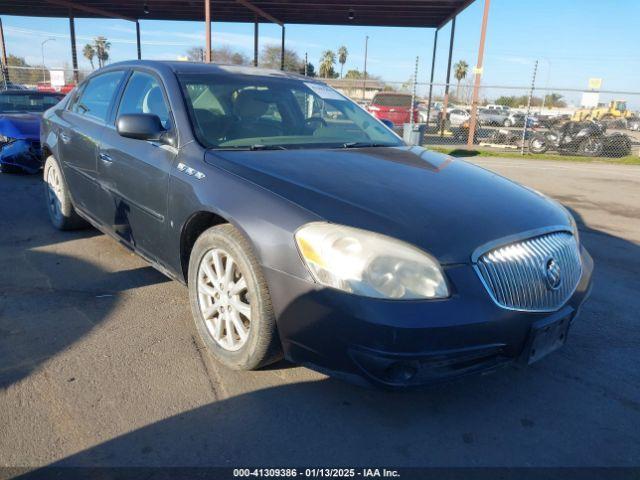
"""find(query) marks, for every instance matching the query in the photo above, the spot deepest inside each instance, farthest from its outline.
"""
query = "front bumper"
(22, 154)
(408, 343)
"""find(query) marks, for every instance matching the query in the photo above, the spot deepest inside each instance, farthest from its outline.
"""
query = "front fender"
(267, 220)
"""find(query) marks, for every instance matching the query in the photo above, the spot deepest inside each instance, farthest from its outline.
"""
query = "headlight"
(369, 264)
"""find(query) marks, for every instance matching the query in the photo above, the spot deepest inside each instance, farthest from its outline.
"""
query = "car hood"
(446, 206)
(20, 125)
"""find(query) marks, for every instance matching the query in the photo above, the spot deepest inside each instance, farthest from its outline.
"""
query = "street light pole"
(44, 76)
(364, 83)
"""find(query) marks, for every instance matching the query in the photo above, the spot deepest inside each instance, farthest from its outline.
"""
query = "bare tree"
(195, 54)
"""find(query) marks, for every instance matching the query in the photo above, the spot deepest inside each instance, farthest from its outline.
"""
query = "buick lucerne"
(305, 228)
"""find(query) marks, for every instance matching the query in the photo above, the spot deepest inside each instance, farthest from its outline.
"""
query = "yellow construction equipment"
(615, 109)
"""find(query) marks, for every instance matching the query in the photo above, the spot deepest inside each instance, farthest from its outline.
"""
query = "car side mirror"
(141, 126)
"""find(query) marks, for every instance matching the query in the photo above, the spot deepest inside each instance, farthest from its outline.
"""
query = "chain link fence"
(41, 78)
(513, 120)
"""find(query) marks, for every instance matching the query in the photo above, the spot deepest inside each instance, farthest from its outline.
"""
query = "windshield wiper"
(251, 147)
(266, 147)
(364, 145)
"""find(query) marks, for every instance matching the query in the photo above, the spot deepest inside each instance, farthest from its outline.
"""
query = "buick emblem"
(552, 274)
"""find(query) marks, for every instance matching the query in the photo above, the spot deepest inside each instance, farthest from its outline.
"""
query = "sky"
(573, 40)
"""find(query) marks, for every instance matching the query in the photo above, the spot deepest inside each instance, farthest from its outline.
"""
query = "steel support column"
(476, 83)
(433, 65)
(138, 40)
(445, 104)
(3, 51)
(207, 31)
(256, 26)
(74, 53)
(282, 51)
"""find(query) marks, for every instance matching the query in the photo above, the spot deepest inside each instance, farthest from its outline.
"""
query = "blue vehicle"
(20, 114)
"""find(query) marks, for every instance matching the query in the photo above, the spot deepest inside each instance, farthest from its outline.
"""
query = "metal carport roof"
(395, 13)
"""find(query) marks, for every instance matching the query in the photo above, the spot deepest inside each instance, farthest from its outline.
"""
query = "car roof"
(396, 94)
(182, 67)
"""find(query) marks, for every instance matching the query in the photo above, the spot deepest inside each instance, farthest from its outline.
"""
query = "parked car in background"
(331, 242)
(516, 119)
(394, 107)
(20, 114)
(455, 117)
(502, 108)
(494, 116)
(47, 87)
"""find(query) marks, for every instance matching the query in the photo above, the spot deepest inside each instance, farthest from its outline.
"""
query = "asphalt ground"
(100, 364)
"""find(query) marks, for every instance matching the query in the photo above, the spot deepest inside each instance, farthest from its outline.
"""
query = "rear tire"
(61, 212)
(230, 300)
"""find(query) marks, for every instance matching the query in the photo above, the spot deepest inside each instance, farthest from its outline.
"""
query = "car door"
(81, 128)
(136, 172)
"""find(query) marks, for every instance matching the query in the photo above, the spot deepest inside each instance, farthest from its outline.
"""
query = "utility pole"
(478, 70)
(526, 117)
(413, 94)
(364, 83)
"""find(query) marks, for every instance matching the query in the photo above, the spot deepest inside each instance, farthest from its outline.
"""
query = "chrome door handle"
(105, 157)
(64, 137)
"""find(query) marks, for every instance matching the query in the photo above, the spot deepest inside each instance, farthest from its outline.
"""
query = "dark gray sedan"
(304, 227)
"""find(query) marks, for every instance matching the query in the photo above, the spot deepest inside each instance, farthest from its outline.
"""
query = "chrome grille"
(523, 275)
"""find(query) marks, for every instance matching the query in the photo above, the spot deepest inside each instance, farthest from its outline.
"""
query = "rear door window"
(95, 99)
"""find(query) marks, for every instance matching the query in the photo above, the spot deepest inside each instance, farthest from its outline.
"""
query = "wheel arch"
(195, 225)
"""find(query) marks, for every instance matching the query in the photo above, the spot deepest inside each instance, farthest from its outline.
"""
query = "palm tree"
(89, 52)
(460, 71)
(102, 46)
(327, 61)
(342, 57)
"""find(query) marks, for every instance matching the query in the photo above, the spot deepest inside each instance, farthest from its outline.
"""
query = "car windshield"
(27, 101)
(248, 111)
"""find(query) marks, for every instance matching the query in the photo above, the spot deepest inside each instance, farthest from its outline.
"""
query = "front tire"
(230, 300)
(61, 212)
(538, 144)
(591, 147)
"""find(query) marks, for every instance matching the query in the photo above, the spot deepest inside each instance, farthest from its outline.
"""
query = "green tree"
(460, 71)
(311, 70)
(554, 100)
(25, 73)
(327, 61)
(354, 74)
(89, 53)
(102, 47)
(342, 57)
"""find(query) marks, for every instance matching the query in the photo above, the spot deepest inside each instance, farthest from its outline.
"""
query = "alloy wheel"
(54, 192)
(223, 299)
